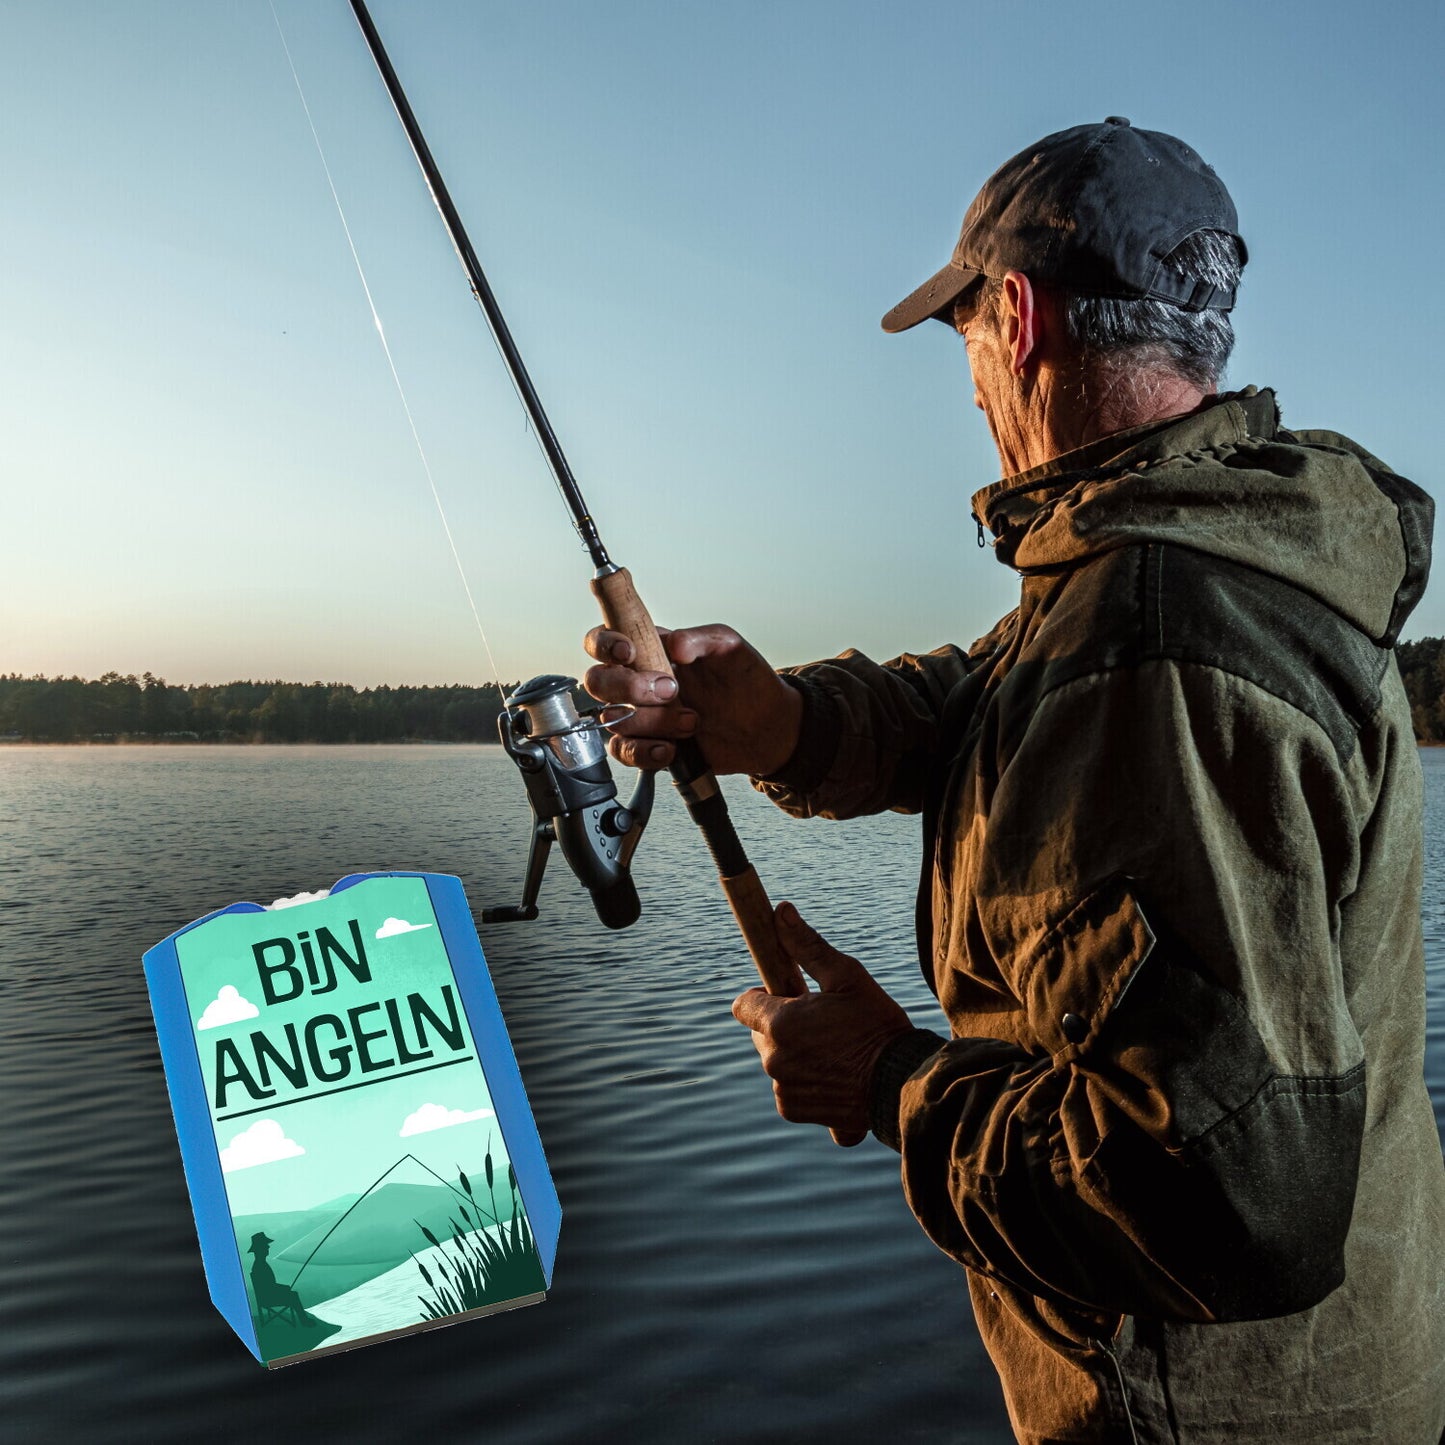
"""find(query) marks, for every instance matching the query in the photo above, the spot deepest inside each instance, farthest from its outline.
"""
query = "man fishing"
(1177, 1132)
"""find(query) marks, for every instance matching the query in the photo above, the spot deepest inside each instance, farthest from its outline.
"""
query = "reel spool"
(562, 754)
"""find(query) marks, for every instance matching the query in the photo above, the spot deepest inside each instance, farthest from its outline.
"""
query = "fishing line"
(362, 1197)
(381, 333)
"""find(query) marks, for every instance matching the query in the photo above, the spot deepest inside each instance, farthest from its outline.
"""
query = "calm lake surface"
(721, 1276)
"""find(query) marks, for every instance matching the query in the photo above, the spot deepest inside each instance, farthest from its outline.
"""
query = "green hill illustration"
(346, 1242)
(412, 1247)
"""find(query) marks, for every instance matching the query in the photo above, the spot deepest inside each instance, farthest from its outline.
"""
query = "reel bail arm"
(562, 755)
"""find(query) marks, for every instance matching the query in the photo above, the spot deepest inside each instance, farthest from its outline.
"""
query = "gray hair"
(1142, 334)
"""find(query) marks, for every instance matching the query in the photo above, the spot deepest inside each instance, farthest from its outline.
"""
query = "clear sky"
(694, 216)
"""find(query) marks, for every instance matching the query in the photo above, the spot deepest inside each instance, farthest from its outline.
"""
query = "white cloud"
(263, 1143)
(298, 898)
(228, 1007)
(438, 1116)
(393, 926)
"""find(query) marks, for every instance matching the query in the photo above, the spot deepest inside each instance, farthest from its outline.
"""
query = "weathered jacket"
(1171, 908)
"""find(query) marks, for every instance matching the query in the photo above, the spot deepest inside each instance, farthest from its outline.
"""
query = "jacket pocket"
(1235, 1179)
(1080, 973)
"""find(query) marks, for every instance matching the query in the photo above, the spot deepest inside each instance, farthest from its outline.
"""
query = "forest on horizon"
(116, 708)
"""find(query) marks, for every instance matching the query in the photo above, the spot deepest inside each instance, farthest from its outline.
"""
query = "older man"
(1179, 1135)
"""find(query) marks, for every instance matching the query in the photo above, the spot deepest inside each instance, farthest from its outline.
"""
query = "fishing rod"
(554, 745)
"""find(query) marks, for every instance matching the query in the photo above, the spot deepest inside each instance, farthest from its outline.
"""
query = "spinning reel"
(563, 757)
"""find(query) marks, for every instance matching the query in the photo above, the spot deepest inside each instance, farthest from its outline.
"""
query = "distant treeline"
(116, 709)
(1422, 665)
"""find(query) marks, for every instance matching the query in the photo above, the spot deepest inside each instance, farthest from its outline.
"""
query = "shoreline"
(241, 743)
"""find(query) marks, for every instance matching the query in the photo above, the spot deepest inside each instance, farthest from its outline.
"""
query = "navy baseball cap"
(1095, 209)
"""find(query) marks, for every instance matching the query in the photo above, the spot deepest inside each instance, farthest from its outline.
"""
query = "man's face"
(995, 391)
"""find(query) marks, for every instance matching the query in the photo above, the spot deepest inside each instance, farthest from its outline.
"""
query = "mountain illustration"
(329, 1250)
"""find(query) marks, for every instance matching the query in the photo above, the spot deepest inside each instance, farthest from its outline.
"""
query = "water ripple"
(721, 1275)
(708, 1283)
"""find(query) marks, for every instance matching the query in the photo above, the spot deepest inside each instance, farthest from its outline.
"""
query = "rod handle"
(625, 612)
(754, 914)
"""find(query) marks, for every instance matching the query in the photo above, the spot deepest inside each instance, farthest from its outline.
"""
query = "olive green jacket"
(1171, 908)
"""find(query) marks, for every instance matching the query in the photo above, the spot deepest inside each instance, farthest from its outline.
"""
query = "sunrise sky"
(694, 216)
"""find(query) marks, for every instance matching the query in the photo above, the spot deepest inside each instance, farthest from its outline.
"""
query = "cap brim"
(934, 298)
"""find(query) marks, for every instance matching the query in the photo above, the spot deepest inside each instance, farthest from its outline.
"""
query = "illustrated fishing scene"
(323, 1052)
(384, 1265)
(988, 986)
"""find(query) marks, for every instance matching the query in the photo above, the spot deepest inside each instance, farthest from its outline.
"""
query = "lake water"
(722, 1276)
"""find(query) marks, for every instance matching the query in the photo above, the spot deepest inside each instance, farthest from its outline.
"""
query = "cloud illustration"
(438, 1116)
(393, 926)
(296, 899)
(263, 1143)
(228, 1007)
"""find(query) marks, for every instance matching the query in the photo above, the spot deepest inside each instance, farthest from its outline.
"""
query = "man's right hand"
(744, 716)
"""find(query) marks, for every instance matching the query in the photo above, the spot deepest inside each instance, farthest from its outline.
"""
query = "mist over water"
(721, 1275)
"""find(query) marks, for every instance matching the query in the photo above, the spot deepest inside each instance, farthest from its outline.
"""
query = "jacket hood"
(1310, 508)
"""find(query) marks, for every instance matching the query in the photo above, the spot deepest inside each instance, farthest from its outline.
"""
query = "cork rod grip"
(625, 612)
(754, 914)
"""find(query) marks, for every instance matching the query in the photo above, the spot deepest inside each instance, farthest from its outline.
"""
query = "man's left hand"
(820, 1049)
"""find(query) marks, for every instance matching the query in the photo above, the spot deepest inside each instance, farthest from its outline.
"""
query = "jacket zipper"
(1123, 1388)
(1062, 480)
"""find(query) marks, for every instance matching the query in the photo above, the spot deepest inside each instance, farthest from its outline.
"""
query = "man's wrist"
(819, 728)
(898, 1060)
(787, 728)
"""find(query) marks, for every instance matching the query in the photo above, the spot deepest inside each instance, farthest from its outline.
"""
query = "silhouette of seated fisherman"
(274, 1299)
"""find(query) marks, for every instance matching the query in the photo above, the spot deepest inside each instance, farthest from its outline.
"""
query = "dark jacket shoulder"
(1156, 601)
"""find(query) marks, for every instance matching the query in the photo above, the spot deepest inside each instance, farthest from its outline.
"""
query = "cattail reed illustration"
(483, 1268)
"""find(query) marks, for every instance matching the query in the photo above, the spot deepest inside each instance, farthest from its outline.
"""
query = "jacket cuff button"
(1076, 1029)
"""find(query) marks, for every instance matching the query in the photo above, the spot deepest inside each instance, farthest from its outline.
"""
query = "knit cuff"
(900, 1060)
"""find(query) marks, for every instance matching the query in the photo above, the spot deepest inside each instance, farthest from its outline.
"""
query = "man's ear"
(1020, 321)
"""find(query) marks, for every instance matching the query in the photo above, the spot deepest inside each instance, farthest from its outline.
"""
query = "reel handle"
(625, 612)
